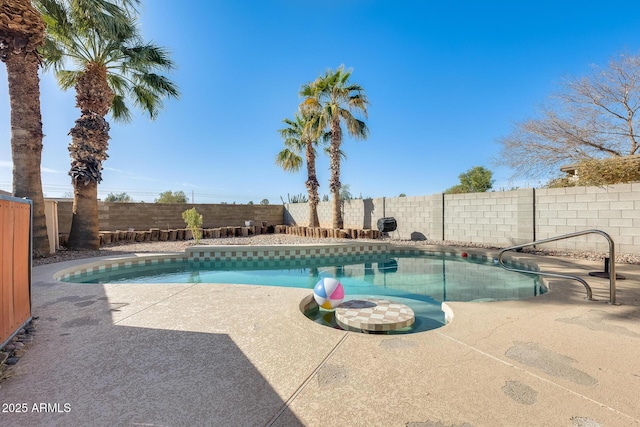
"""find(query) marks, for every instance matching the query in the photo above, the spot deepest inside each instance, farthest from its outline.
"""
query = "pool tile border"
(106, 265)
(234, 256)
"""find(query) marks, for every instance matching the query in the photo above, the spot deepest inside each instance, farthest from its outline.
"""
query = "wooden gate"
(15, 266)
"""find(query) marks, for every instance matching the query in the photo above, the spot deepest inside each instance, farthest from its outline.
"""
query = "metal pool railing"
(612, 262)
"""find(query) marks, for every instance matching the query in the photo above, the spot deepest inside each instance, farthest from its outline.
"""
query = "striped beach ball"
(328, 293)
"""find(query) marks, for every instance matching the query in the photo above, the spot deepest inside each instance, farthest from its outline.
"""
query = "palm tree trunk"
(314, 221)
(334, 182)
(312, 186)
(26, 140)
(88, 149)
(85, 217)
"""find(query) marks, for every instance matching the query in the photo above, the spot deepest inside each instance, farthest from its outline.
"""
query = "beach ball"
(328, 293)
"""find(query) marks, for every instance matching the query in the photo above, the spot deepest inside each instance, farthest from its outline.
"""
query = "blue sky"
(445, 81)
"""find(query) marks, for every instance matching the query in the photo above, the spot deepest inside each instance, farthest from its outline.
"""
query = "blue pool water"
(422, 282)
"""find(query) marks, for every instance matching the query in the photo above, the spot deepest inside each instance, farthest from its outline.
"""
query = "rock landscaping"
(11, 353)
(171, 235)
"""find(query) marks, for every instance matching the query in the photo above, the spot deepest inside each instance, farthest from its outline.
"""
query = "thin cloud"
(186, 184)
(131, 175)
(9, 165)
(49, 170)
(118, 170)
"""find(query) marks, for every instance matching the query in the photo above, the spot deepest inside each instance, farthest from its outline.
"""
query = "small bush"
(194, 223)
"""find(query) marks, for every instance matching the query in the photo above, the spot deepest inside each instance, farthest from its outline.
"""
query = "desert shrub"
(194, 223)
(595, 172)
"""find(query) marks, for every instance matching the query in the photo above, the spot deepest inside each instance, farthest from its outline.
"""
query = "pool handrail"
(612, 262)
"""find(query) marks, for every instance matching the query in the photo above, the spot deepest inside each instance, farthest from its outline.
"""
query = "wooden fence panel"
(6, 269)
(21, 265)
(15, 264)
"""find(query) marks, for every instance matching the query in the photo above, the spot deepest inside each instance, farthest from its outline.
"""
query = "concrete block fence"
(498, 218)
(165, 216)
(148, 222)
(501, 218)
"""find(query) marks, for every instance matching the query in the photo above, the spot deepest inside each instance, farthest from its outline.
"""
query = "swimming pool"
(421, 279)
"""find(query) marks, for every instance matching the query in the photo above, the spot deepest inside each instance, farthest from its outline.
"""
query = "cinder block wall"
(418, 217)
(498, 218)
(614, 209)
(296, 214)
(357, 213)
(352, 214)
(502, 218)
(143, 216)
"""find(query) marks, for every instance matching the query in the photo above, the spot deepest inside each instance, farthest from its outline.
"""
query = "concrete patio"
(227, 355)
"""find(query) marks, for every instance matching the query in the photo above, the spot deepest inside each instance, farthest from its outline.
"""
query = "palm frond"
(105, 32)
(297, 136)
(67, 79)
(146, 100)
(109, 6)
(310, 103)
(326, 137)
(159, 84)
(148, 55)
(103, 16)
(307, 90)
(354, 88)
(289, 160)
(359, 99)
(289, 132)
(294, 144)
(356, 128)
(341, 153)
(292, 133)
(118, 84)
(119, 110)
(52, 55)
(55, 15)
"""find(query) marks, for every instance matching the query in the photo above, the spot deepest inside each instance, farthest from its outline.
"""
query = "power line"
(152, 194)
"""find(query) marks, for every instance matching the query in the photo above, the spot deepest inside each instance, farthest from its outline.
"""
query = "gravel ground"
(122, 248)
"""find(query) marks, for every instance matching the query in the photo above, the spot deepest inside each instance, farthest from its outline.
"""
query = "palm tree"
(22, 31)
(335, 100)
(112, 65)
(298, 136)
